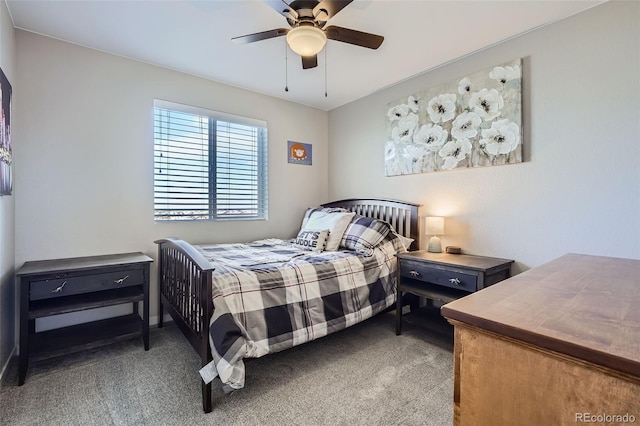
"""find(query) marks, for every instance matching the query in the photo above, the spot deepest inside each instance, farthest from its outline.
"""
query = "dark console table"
(60, 286)
(446, 277)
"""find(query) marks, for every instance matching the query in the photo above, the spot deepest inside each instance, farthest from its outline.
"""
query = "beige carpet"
(365, 375)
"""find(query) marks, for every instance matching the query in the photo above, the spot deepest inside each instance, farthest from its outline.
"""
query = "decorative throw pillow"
(309, 239)
(335, 222)
(312, 210)
(363, 234)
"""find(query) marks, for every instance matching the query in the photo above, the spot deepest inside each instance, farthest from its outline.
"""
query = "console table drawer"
(420, 271)
(59, 287)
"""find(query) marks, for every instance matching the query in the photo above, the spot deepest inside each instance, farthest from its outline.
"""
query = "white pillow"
(314, 240)
(336, 223)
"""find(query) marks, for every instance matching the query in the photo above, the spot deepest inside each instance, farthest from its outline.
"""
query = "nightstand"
(60, 286)
(445, 277)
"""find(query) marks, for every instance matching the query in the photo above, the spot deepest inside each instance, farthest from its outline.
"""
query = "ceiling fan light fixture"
(306, 40)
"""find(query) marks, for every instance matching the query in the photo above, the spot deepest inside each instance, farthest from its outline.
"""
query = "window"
(208, 165)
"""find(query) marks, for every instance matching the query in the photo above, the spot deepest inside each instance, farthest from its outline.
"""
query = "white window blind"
(208, 165)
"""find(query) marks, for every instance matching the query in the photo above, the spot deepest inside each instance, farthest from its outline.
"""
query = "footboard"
(184, 278)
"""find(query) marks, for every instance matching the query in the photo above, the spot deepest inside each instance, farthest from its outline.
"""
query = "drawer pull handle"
(414, 273)
(455, 281)
(121, 280)
(59, 289)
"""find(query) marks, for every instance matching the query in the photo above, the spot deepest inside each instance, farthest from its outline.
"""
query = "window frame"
(214, 145)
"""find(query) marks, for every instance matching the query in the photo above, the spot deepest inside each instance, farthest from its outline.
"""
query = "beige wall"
(85, 162)
(7, 203)
(579, 189)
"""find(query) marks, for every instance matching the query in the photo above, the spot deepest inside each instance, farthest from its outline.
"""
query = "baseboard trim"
(6, 368)
(153, 320)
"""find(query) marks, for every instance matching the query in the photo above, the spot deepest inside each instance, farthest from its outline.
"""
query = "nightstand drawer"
(60, 287)
(421, 272)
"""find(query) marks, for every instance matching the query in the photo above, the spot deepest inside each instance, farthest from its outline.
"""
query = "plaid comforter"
(269, 296)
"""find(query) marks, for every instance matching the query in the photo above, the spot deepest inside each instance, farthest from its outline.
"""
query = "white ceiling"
(194, 36)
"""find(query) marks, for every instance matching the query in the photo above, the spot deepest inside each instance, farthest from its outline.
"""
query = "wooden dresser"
(556, 345)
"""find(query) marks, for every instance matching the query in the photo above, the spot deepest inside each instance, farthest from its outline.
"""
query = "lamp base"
(435, 246)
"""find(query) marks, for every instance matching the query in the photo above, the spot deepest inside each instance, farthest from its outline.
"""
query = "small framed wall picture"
(299, 153)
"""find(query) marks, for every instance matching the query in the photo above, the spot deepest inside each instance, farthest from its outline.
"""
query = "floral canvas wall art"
(5, 136)
(473, 121)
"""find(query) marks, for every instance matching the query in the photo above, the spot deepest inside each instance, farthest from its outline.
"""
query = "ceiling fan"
(308, 35)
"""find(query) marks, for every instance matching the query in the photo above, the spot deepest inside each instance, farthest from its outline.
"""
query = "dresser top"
(583, 306)
(81, 263)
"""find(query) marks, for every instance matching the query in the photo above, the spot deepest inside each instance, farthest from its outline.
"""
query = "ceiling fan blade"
(331, 6)
(309, 62)
(358, 38)
(283, 8)
(264, 35)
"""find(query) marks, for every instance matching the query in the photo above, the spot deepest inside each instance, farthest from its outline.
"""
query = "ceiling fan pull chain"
(325, 71)
(286, 67)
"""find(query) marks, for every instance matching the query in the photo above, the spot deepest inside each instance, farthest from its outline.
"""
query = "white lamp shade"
(434, 225)
(306, 40)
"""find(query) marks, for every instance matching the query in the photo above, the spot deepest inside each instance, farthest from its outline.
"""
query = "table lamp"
(434, 227)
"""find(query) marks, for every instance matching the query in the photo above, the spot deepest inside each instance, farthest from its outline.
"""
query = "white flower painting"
(473, 121)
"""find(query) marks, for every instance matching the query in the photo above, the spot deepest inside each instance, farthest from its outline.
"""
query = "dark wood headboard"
(401, 215)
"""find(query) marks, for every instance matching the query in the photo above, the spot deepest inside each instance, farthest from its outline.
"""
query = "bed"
(200, 285)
